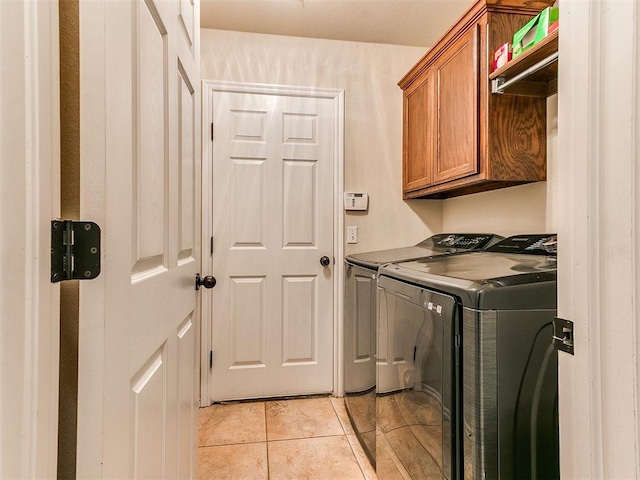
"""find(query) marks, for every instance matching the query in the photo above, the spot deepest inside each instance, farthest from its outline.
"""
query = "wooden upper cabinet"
(418, 143)
(456, 124)
(458, 138)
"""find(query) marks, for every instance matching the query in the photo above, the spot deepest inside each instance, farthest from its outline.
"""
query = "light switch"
(352, 234)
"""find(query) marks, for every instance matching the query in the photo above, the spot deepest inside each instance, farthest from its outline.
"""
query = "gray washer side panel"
(479, 391)
(506, 352)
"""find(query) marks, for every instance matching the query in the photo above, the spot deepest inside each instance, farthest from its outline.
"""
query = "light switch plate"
(352, 234)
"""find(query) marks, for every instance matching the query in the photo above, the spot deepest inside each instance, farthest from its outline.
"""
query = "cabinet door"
(418, 134)
(457, 87)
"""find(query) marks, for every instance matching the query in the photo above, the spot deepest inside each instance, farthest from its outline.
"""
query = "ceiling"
(397, 22)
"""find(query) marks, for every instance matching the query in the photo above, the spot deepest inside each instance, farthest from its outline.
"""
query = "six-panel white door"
(272, 325)
(140, 134)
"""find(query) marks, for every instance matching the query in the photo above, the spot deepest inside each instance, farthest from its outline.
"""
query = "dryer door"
(416, 379)
(359, 354)
(359, 329)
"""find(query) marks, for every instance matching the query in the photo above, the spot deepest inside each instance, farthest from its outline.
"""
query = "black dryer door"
(418, 350)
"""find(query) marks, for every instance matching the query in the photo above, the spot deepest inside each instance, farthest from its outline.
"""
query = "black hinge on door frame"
(211, 131)
(75, 250)
(210, 358)
(563, 335)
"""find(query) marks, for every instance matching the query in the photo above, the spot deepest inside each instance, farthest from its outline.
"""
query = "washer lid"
(441, 244)
(491, 278)
(478, 267)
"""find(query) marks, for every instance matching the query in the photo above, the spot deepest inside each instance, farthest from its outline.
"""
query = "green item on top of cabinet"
(535, 30)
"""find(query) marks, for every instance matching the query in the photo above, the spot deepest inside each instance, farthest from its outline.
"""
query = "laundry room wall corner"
(510, 211)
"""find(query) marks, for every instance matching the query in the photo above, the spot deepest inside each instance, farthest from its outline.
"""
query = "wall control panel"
(356, 201)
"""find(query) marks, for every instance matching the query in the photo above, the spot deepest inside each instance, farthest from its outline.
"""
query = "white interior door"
(29, 200)
(140, 162)
(272, 209)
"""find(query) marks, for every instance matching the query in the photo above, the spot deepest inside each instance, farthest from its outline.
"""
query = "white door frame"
(29, 200)
(337, 95)
(599, 253)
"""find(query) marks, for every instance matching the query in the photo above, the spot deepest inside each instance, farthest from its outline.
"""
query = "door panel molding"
(337, 97)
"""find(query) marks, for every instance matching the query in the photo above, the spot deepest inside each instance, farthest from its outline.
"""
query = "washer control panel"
(539, 244)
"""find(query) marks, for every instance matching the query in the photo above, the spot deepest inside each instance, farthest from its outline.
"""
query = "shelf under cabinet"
(533, 74)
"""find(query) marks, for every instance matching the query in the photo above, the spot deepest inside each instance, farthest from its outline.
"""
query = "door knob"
(207, 282)
(325, 261)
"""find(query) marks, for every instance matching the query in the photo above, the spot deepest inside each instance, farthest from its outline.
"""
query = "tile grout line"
(333, 407)
(409, 425)
(346, 437)
(364, 476)
(230, 444)
(395, 401)
(266, 439)
(297, 439)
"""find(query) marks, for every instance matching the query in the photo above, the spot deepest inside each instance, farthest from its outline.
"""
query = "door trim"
(30, 192)
(598, 205)
(209, 87)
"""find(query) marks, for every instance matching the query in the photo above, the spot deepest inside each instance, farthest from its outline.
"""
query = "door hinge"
(75, 250)
(563, 335)
(211, 246)
(210, 358)
(212, 131)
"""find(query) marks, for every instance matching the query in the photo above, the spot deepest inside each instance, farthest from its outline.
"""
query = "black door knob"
(207, 282)
(325, 261)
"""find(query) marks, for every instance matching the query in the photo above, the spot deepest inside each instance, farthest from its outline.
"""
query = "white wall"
(373, 117)
(510, 211)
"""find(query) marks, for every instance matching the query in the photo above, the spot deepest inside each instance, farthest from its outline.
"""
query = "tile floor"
(297, 439)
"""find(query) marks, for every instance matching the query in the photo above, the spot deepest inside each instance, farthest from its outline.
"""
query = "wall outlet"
(352, 234)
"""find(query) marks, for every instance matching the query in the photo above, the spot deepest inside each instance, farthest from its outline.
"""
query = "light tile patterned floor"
(282, 439)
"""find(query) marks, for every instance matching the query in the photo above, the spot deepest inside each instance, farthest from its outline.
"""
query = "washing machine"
(360, 321)
(467, 361)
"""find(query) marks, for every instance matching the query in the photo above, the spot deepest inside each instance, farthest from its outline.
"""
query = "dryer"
(360, 321)
(468, 356)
